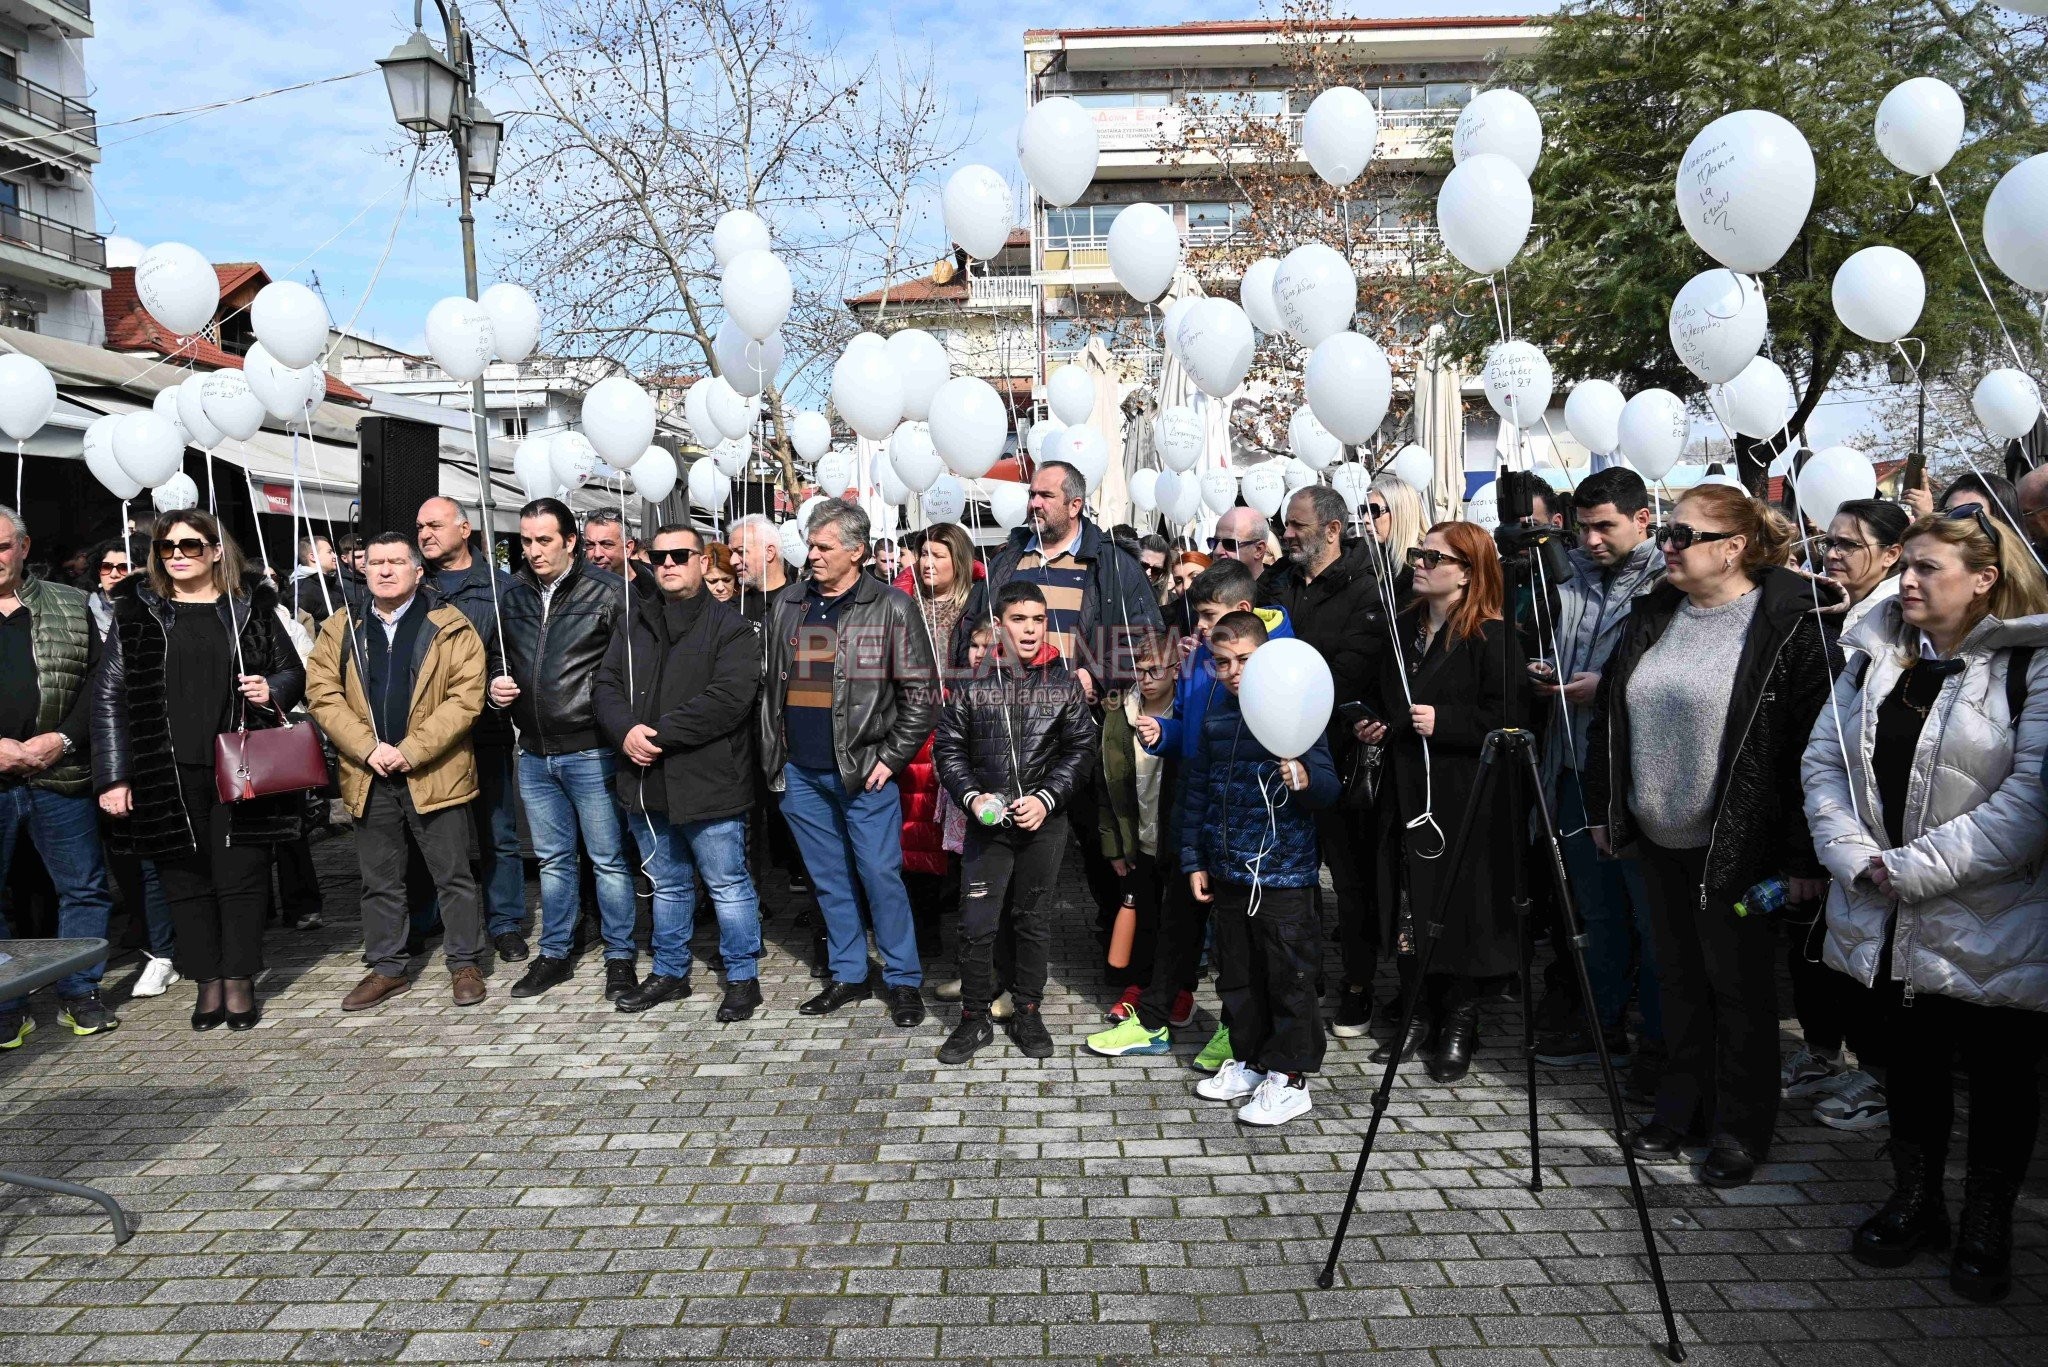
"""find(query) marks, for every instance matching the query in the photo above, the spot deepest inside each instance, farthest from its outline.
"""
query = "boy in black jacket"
(1014, 745)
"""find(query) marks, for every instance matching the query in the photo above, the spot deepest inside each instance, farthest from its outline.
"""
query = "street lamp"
(422, 84)
(486, 135)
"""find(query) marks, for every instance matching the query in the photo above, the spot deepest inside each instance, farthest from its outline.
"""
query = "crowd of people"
(1765, 748)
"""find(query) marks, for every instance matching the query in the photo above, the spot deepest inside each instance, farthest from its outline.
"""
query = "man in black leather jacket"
(847, 702)
(1014, 746)
(559, 616)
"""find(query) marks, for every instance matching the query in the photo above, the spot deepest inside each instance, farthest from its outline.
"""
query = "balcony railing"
(1000, 291)
(45, 105)
(1154, 127)
(83, 7)
(46, 234)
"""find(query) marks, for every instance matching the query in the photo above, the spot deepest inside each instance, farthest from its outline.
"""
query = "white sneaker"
(158, 977)
(1807, 1073)
(1232, 1082)
(1276, 1102)
(1857, 1103)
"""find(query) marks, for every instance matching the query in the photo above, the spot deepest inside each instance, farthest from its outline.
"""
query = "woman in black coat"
(196, 649)
(1463, 669)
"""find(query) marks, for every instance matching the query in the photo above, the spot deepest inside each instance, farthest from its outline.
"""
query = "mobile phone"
(1355, 712)
(1543, 669)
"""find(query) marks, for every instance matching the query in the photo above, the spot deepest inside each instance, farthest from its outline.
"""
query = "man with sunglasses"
(1241, 535)
(675, 695)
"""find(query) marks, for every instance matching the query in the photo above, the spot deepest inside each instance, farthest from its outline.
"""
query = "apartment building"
(53, 264)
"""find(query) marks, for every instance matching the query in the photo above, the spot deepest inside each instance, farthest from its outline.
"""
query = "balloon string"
(1942, 192)
(20, 468)
(1384, 560)
(1834, 698)
(1949, 432)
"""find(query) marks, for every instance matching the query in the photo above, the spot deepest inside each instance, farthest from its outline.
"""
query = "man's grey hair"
(1073, 484)
(752, 522)
(1325, 504)
(13, 519)
(846, 517)
(604, 517)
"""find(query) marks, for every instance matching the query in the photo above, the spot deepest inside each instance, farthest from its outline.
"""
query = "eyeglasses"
(1378, 510)
(190, 547)
(1976, 511)
(1829, 544)
(673, 555)
(1429, 560)
(1154, 571)
(1154, 671)
(1679, 537)
(1231, 545)
(117, 567)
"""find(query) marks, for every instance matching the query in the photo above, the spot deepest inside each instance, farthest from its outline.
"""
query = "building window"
(1454, 95)
(10, 195)
(1403, 96)
(508, 427)
(1082, 226)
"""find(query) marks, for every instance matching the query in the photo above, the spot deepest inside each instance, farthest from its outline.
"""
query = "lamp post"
(433, 91)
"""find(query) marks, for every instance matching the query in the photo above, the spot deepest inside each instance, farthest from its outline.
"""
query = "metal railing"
(1000, 291)
(45, 105)
(83, 7)
(46, 234)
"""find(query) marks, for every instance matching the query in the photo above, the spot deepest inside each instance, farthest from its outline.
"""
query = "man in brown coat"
(397, 690)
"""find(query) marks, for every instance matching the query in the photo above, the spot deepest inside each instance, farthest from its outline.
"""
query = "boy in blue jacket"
(1248, 848)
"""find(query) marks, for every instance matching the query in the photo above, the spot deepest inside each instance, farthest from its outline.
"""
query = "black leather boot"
(1453, 1056)
(1916, 1217)
(1419, 1031)
(1981, 1268)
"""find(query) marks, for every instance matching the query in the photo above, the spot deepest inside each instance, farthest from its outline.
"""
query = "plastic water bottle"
(1764, 899)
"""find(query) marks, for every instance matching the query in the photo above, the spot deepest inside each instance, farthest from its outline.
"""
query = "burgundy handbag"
(283, 759)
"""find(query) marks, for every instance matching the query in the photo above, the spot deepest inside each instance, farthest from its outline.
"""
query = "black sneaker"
(1566, 1049)
(969, 1037)
(799, 884)
(658, 988)
(542, 974)
(1029, 1034)
(86, 1015)
(619, 978)
(1354, 1013)
(742, 999)
(511, 946)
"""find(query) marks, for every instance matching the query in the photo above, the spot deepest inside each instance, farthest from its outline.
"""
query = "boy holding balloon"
(1248, 847)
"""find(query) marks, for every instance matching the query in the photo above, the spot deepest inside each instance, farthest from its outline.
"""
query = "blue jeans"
(853, 843)
(499, 875)
(1614, 903)
(568, 795)
(674, 855)
(66, 832)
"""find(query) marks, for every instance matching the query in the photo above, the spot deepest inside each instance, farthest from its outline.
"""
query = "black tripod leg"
(1427, 951)
(1518, 898)
(1575, 938)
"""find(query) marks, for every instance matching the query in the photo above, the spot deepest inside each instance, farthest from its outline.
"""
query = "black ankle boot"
(1916, 1217)
(1453, 1056)
(1981, 1268)
(1419, 1031)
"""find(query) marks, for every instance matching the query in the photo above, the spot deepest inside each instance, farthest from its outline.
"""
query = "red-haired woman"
(1463, 669)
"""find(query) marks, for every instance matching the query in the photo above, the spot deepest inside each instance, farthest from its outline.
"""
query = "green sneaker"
(1128, 1036)
(14, 1028)
(86, 1015)
(1216, 1052)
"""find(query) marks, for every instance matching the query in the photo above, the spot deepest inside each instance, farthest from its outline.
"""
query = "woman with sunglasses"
(196, 650)
(1464, 670)
(1932, 824)
(1693, 765)
(1396, 518)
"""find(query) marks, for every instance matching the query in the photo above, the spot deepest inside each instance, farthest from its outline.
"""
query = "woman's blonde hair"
(1767, 535)
(954, 539)
(227, 571)
(2020, 589)
(1407, 524)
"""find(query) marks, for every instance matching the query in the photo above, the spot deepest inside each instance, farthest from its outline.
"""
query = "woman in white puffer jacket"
(1934, 834)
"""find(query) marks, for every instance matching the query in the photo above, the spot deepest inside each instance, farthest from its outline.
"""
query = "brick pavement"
(548, 1180)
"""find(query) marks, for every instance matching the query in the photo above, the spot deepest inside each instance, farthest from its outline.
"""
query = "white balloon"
(709, 487)
(1040, 436)
(460, 337)
(810, 434)
(922, 364)
(1084, 449)
(1286, 695)
(280, 389)
(1483, 508)
(166, 403)
(1144, 485)
(175, 494)
(1315, 293)
(1255, 292)
(1838, 475)
(1718, 323)
(199, 429)
(99, 458)
(1312, 443)
(230, 404)
(1177, 313)
(1878, 294)
(969, 425)
(1265, 487)
(1180, 435)
(867, 390)
(515, 320)
(1338, 134)
(1180, 501)
(1758, 399)
(791, 542)
(533, 466)
(835, 474)
(892, 490)
(737, 232)
(747, 365)
(945, 501)
(572, 460)
(756, 292)
(1144, 251)
(622, 466)
(1414, 467)
(1653, 430)
(1744, 186)
(289, 319)
(1216, 344)
(697, 413)
(2008, 403)
(1501, 122)
(1593, 413)
(1483, 210)
(653, 478)
(28, 395)
(1920, 125)
(1219, 490)
(1518, 382)
(1009, 502)
(1070, 394)
(733, 414)
(618, 417)
(1058, 147)
(147, 448)
(178, 287)
(2014, 219)
(1349, 386)
(1299, 476)
(978, 210)
(1352, 483)
(914, 456)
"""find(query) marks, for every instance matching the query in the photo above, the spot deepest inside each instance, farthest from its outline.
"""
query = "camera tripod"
(1519, 748)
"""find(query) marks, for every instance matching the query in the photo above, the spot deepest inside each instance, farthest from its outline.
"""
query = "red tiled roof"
(1228, 27)
(921, 291)
(130, 328)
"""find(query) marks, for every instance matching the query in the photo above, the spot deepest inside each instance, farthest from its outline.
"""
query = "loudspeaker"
(401, 469)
